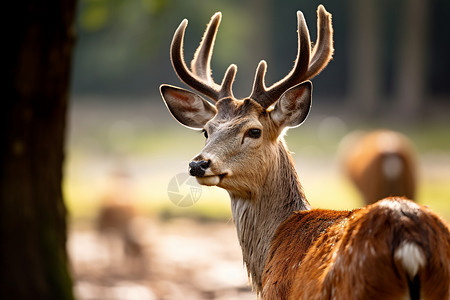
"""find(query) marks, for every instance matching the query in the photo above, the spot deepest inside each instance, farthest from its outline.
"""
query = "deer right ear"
(293, 106)
(187, 107)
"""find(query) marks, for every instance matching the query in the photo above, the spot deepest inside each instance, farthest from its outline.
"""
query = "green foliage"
(94, 15)
(123, 45)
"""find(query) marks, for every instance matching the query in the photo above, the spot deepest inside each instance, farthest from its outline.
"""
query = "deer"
(117, 224)
(392, 249)
(380, 163)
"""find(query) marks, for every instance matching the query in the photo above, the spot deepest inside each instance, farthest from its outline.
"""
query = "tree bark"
(365, 72)
(38, 41)
(410, 92)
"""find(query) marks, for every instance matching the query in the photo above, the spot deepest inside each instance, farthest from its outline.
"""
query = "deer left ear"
(186, 107)
(293, 106)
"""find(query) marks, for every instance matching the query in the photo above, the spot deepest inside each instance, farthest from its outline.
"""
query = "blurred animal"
(380, 164)
(116, 222)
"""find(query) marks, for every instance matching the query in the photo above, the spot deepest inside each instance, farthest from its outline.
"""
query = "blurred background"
(140, 228)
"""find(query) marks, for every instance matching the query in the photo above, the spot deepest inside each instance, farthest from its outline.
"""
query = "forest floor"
(176, 259)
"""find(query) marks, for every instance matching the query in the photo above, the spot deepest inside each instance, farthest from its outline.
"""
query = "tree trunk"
(364, 81)
(38, 41)
(411, 59)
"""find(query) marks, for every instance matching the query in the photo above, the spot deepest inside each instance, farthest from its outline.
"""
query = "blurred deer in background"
(380, 163)
(394, 249)
(116, 223)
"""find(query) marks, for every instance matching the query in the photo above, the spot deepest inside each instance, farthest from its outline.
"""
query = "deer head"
(243, 135)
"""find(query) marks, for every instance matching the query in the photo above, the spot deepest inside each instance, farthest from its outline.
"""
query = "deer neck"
(258, 216)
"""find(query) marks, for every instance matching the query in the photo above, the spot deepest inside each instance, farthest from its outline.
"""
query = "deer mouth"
(210, 180)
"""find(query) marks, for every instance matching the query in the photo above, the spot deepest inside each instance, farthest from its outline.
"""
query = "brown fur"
(286, 254)
(257, 218)
(350, 255)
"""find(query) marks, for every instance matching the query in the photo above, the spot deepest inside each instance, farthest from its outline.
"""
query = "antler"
(200, 77)
(304, 67)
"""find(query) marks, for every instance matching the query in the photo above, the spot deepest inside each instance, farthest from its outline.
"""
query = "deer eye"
(205, 133)
(254, 133)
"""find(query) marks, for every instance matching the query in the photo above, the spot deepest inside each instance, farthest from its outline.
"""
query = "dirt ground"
(176, 259)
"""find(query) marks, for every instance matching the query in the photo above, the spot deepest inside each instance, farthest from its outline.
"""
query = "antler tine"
(227, 82)
(304, 67)
(200, 77)
(201, 64)
(267, 96)
(259, 85)
(323, 49)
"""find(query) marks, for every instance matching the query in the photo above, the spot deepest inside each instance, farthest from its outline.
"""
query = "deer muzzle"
(202, 170)
(198, 168)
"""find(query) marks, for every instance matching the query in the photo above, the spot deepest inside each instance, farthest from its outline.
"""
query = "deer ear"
(187, 107)
(293, 106)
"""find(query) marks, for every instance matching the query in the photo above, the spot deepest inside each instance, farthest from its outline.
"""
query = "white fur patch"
(392, 167)
(208, 180)
(411, 257)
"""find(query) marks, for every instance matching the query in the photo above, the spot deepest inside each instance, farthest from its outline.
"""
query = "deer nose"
(198, 168)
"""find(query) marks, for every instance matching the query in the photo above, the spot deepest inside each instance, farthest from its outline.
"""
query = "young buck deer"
(380, 163)
(394, 249)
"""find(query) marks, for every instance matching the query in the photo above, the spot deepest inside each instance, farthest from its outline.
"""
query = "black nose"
(198, 168)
